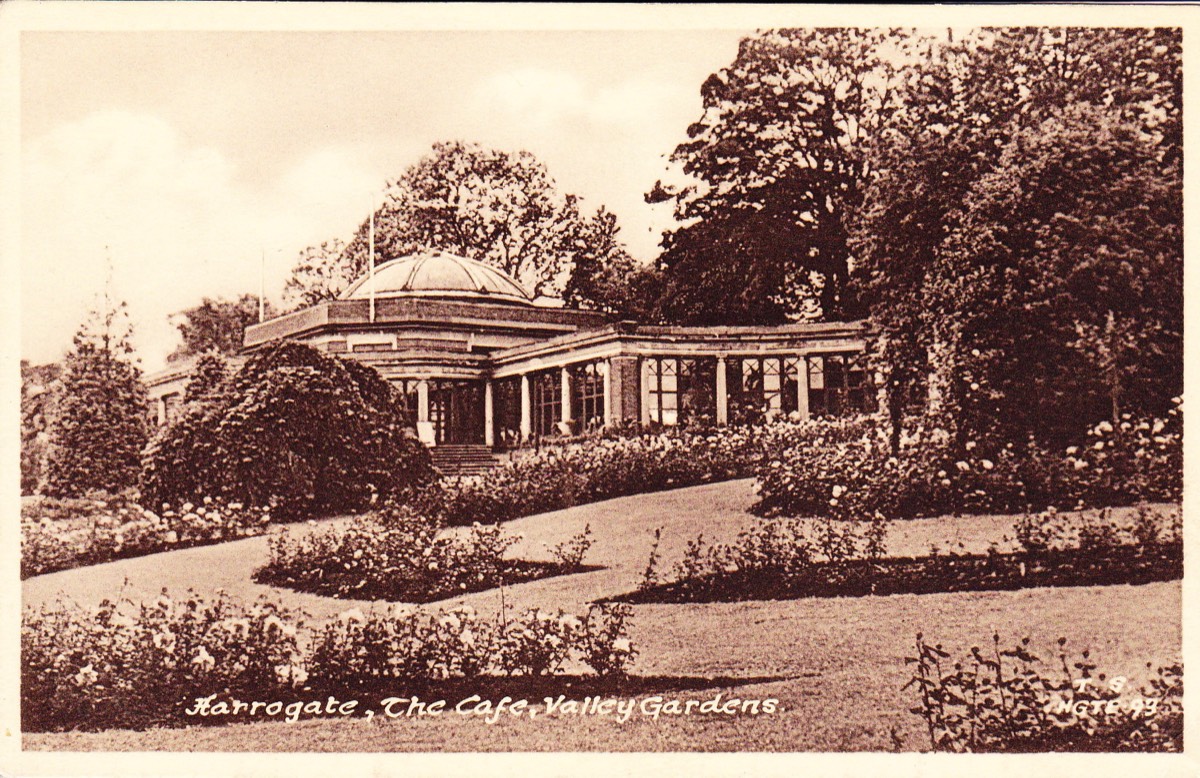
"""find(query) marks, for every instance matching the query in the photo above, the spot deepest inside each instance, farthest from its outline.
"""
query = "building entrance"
(456, 412)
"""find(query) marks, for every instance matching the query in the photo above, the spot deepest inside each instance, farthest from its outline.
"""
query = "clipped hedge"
(293, 429)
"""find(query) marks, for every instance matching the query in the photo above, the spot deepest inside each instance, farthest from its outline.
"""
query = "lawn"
(835, 664)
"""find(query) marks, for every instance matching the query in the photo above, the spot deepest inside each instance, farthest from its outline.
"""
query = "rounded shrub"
(294, 429)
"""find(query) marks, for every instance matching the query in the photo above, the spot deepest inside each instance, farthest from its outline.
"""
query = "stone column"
(722, 393)
(162, 411)
(802, 386)
(606, 366)
(623, 389)
(565, 395)
(424, 427)
(526, 412)
(644, 400)
(489, 415)
(774, 385)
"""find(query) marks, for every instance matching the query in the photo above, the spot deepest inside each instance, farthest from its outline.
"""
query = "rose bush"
(128, 665)
(1009, 700)
(592, 470)
(418, 646)
(123, 664)
(397, 554)
(847, 469)
(791, 558)
(62, 534)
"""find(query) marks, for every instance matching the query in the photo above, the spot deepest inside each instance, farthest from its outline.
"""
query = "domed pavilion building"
(481, 363)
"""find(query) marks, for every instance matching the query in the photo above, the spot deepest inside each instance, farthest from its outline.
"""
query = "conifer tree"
(99, 426)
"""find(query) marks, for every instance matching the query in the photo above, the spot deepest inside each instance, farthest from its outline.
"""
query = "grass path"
(835, 664)
(622, 530)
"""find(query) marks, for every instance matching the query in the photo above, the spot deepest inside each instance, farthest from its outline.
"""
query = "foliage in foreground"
(59, 534)
(127, 665)
(293, 429)
(1009, 701)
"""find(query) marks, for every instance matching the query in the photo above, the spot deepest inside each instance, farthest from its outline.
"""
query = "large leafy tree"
(493, 206)
(216, 324)
(99, 425)
(780, 164)
(604, 277)
(1019, 242)
(320, 274)
(1064, 280)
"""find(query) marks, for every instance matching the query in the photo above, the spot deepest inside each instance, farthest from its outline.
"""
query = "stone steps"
(460, 459)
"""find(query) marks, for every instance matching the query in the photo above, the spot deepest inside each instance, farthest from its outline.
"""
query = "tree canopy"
(779, 162)
(216, 324)
(1020, 240)
(497, 207)
(1004, 205)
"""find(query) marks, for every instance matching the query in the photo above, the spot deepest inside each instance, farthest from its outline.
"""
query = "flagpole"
(371, 259)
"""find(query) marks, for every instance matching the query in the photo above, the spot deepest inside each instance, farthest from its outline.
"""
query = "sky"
(184, 157)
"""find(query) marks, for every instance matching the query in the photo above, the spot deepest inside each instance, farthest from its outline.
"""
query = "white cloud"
(545, 97)
(177, 221)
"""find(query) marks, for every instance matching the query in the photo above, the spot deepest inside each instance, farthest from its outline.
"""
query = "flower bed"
(790, 559)
(124, 665)
(1004, 701)
(402, 554)
(361, 650)
(399, 556)
(62, 534)
(846, 469)
(593, 470)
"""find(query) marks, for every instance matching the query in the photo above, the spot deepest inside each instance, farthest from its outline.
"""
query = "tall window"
(840, 385)
(789, 384)
(407, 389)
(756, 387)
(506, 398)
(587, 394)
(663, 385)
(681, 391)
(546, 401)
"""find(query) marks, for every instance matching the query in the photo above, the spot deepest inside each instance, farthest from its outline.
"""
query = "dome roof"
(438, 274)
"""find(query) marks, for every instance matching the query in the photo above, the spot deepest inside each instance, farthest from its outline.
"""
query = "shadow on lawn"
(418, 588)
(926, 575)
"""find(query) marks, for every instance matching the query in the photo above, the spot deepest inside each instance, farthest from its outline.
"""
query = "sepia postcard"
(486, 389)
